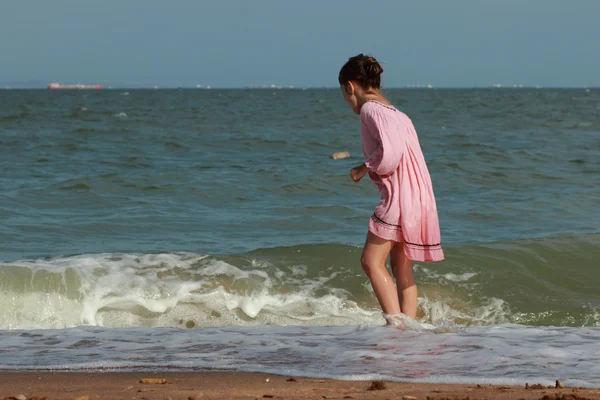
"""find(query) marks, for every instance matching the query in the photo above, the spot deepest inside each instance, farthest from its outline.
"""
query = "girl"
(405, 223)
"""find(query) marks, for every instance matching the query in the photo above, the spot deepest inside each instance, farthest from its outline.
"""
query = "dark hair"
(363, 69)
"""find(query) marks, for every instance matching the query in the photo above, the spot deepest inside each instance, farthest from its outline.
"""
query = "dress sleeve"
(385, 159)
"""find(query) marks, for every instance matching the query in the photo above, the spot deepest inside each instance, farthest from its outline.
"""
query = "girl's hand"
(357, 173)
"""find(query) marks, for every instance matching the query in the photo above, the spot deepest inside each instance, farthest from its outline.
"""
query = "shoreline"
(248, 385)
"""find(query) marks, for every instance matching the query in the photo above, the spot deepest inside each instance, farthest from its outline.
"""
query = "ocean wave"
(536, 282)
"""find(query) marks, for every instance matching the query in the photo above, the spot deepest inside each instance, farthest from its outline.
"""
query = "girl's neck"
(372, 95)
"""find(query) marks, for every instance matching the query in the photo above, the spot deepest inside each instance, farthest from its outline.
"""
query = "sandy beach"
(234, 385)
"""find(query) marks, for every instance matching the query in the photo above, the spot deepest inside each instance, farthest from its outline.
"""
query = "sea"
(210, 230)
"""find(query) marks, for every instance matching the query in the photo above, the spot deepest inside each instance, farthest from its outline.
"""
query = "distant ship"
(58, 86)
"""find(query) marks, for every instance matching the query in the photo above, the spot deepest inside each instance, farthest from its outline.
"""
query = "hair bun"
(363, 69)
(372, 67)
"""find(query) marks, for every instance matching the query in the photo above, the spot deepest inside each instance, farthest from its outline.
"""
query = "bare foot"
(395, 320)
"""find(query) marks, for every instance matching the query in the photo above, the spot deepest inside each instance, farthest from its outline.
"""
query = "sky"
(236, 43)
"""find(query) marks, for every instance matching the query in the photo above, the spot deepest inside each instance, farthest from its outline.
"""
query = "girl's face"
(349, 92)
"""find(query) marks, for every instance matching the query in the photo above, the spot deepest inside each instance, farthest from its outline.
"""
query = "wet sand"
(238, 385)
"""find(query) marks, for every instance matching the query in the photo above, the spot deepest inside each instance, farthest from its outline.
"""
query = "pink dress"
(407, 211)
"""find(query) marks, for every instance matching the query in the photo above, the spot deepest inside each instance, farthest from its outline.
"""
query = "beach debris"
(535, 386)
(564, 397)
(267, 380)
(190, 324)
(377, 385)
(409, 398)
(153, 381)
(146, 390)
(340, 154)
(23, 397)
(268, 396)
(291, 380)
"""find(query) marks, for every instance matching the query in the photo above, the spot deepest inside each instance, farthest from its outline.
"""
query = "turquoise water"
(146, 210)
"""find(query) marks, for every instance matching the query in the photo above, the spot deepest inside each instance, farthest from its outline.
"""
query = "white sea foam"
(170, 290)
(447, 276)
(499, 354)
(189, 289)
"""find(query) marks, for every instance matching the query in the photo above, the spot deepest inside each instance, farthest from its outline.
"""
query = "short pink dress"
(407, 211)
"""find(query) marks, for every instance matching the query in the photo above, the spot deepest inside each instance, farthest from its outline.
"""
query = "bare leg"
(402, 268)
(373, 260)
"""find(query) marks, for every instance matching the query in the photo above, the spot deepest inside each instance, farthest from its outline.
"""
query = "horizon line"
(291, 88)
(106, 88)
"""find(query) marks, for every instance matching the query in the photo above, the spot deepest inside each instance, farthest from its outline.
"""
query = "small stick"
(154, 381)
